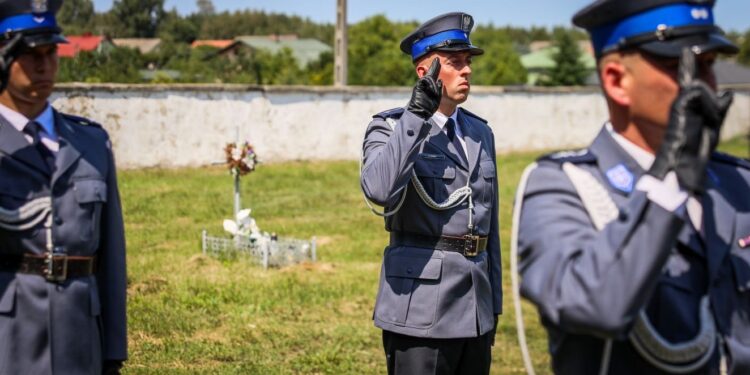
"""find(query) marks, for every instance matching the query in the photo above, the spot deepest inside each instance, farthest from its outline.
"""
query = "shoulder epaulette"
(81, 120)
(583, 156)
(466, 111)
(730, 159)
(394, 113)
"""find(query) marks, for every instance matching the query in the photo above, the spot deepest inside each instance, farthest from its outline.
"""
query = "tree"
(75, 16)
(500, 64)
(569, 70)
(136, 18)
(206, 7)
(116, 65)
(744, 55)
(374, 54)
(177, 29)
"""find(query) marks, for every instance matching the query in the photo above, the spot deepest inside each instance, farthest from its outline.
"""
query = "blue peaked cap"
(446, 32)
(660, 27)
(34, 19)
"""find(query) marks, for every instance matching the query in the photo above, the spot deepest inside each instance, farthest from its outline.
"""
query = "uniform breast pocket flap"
(414, 267)
(89, 191)
(434, 168)
(488, 168)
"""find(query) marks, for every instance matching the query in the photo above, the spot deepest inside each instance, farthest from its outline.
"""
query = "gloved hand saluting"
(693, 131)
(425, 99)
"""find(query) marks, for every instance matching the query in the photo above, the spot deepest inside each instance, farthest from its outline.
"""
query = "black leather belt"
(55, 268)
(468, 245)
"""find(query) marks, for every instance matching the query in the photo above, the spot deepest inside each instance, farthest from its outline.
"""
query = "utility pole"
(341, 45)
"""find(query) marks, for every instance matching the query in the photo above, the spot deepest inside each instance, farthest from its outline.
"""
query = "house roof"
(303, 50)
(217, 43)
(78, 43)
(145, 45)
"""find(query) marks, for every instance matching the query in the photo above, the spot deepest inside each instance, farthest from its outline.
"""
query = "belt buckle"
(57, 262)
(471, 245)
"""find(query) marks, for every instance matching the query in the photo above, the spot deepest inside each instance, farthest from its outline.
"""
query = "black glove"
(111, 367)
(425, 99)
(693, 132)
(8, 53)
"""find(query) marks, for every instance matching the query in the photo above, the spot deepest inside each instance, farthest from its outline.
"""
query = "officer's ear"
(422, 65)
(614, 78)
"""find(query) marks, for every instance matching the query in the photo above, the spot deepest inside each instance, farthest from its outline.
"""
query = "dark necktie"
(34, 130)
(450, 130)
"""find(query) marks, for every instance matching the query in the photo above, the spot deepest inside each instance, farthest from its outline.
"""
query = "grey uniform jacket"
(69, 327)
(425, 292)
(589, 285)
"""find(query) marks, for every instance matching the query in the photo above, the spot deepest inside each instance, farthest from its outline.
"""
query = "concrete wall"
(188, 125)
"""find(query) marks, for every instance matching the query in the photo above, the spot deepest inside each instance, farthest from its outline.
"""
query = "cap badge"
(700, 13)
(621, 178)
(466, 23)
(38, 19)
(38, 6)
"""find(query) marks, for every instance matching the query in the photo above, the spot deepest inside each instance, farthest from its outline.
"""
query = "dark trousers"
(407, 355)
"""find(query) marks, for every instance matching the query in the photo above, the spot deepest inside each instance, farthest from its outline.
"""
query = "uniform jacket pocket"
(487, 169)
(410, 290)
(436, 175)
(89, 191)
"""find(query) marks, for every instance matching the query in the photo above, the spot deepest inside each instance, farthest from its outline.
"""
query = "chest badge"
(621, 178)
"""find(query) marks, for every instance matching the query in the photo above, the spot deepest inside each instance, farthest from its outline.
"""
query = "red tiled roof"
(78, 43)
(218, 43)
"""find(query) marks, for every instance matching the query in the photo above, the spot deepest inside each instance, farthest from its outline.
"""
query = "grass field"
(191, 314)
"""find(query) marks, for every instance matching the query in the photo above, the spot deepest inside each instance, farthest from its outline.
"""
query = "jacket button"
(410, 132)
(409, 270)
(58, 220)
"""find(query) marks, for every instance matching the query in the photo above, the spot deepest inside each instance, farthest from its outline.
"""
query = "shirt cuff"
(666, 193)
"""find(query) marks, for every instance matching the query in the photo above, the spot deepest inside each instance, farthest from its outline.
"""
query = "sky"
(730, 14)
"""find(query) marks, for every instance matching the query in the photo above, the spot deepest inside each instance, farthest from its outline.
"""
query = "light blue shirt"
(46, 119)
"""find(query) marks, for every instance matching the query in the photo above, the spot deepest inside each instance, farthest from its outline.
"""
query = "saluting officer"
(636, 250)
(62, 247)
(432, 166)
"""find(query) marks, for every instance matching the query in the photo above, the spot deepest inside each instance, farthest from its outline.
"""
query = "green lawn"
(192, 314)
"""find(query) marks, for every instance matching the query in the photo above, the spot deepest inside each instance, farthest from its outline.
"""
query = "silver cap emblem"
(38, 6)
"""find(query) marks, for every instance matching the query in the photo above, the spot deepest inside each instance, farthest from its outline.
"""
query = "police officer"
(432, 166)
(633, 249)
(62, 248)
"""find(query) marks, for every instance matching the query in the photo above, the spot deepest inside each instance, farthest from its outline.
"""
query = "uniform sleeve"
(111, 273)
(493, 245)
(582, 280)
(389, 155)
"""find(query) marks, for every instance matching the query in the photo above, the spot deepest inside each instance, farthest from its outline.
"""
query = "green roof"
(303, 50)
(544, 59)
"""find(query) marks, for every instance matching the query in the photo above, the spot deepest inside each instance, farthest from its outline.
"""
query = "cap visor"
(466, 47)
(700, 43)
(44, 39)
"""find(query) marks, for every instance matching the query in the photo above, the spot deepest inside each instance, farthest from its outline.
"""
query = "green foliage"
(227, 25)
(569, 70)
(116, 65)
(136, 18)
(174, 28)
(500, 64)
(374, 54)
(744, 55)
(77, 16)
